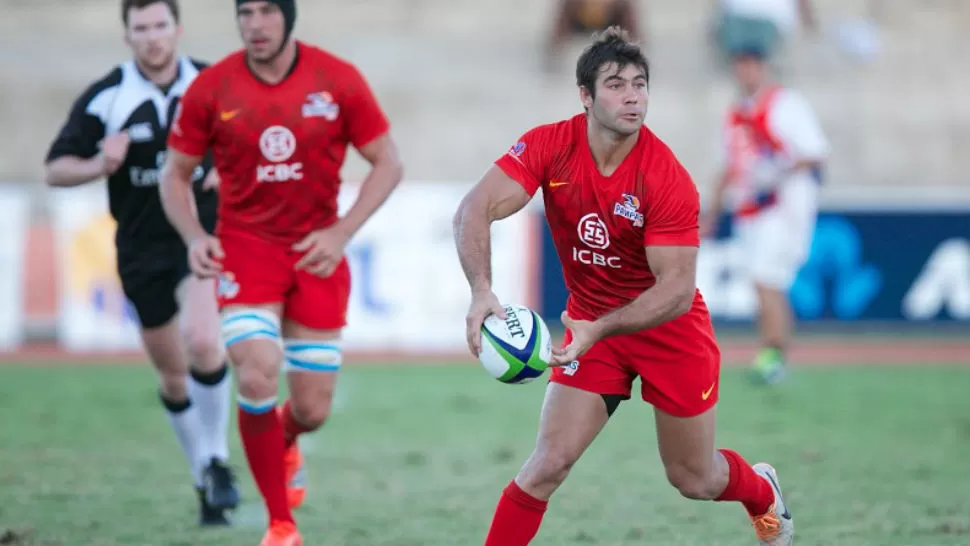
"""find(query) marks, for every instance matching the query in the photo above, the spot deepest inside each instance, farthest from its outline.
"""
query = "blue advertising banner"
(866, 265)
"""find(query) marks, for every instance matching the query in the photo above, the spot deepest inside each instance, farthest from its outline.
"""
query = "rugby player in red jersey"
(623, 213)
(278, 116)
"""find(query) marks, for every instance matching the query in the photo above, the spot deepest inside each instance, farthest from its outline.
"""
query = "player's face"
(620, 104)
(263, 28)
(750, 73)
(152, 33)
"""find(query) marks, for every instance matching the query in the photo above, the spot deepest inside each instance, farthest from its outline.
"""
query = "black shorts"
(150, 276)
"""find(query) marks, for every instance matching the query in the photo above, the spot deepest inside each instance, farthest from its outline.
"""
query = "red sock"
(746, 486)
(262, 439)
(516, 519)
(291, 427)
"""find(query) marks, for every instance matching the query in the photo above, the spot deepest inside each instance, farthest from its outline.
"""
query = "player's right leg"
(579, 401)
(771, 271)
(253, 341)
(316, 313)
(150, 288)
(251, 290)
(781, 242)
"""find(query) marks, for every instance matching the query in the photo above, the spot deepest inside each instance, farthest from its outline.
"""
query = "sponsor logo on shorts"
(707, 394)
(227, 287)
(571, 368)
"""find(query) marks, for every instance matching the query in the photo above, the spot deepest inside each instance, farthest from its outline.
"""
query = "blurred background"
(887, 282)
(461, 80)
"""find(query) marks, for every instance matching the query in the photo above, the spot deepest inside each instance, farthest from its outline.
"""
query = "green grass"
(416, 456)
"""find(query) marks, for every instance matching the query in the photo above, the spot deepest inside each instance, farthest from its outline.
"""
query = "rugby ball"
(518, 349)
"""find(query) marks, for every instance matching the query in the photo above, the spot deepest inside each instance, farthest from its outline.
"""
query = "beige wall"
(461, 79)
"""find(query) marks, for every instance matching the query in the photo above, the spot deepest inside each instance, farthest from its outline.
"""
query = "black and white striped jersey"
(125, 100)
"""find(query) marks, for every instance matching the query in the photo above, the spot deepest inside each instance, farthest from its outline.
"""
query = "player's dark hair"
(128, 5)
(611, 46)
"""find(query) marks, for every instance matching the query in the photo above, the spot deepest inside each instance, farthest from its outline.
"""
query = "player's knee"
(257, 382)
(692, 483)
(311, 414)
(204, 350)
(173, 384)
(547, 467)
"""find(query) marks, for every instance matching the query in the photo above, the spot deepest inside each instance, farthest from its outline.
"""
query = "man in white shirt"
(775, 150)
(762, 23)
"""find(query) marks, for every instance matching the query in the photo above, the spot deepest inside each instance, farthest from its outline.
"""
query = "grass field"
(416, 456)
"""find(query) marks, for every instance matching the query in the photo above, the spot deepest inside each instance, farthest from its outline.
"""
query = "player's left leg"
(149, 283)
(315, 314)
(209, 384)
(570, 420)
(699, 471)
(579, 401)
(775, 327)
(312, 360)
(682, 385)
(782, 241)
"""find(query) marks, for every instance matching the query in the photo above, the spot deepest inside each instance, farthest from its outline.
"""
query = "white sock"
(213, 402)
(188, 429)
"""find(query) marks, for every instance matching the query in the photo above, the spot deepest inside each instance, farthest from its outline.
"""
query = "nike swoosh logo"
(556, 184)
(787, 514)
(226, 116)
(707, 394)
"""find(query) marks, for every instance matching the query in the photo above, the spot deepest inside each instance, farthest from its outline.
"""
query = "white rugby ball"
(518, 349)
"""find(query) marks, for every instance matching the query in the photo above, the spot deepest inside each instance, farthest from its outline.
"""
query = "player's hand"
(584, 335)
(205, 256)
(114, 149)
(323, 249)
(484, 303)
(211, 181)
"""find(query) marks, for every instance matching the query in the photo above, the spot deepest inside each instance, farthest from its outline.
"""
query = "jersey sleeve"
(81, 132)
(673, 208)
(191, 131)
(794, 123)
(364, 117)
(527, 160)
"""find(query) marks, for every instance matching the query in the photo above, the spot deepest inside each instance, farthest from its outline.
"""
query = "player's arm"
(188, 141)
(368, 131)
(675, 268)
(795, 124)
(494, 197)
(177, 197)
(506, 188)
(715, 205)
(74, 157)
(385, 174)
